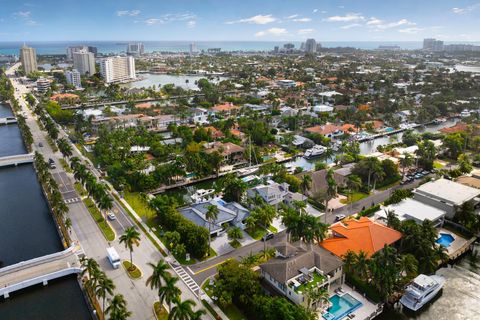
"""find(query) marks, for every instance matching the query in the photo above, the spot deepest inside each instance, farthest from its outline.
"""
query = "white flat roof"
(409, 209)
(450, 191)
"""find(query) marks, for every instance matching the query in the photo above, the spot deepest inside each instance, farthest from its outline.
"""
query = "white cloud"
(349, 17)
(389, 25)
(171, 17)
(293, 16)
(305, 31)
(374, 21)
(467, 9)
(272, 32)
(350, 26)
(23, 14)
(315, 10)
(302, 20)
(131, 13)
(413, 30)
(258, 19)
(191, 24)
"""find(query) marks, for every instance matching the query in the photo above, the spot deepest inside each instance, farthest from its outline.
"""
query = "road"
(139, 298)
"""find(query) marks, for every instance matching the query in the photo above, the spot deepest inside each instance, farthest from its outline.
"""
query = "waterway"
(459, 299)
(183, 81)
(27, 231)
(61, 299)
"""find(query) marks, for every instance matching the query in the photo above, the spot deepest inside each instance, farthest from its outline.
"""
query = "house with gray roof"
(231, 213)
(274, 193)
(296, 268)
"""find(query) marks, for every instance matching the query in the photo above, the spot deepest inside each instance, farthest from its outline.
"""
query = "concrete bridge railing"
(16, 159)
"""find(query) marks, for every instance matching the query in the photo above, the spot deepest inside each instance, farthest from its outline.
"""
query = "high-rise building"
(289, 46)
(431, 44)
(193, 48)
(43, 85)
(117, 69)
(135, 49)
(73, 78)
(311, 46)
(84, 62)
(73, 49)
(28, 57)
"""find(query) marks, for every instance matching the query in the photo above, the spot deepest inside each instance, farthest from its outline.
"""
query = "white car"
(339, 217)
(111, 216)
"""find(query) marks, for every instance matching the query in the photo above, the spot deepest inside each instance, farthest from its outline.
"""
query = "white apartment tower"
(28, 57)
(84, 62)
(117, 69)
(135, 49)
(310, 46)
(73, 78)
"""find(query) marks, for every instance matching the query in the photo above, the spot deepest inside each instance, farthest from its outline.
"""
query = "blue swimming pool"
(341, 306)
(445, 240)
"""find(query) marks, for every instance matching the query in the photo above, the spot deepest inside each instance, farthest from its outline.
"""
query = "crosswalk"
(186, 278)
(72, 200)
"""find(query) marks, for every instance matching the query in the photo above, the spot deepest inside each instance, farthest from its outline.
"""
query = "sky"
(242, 20)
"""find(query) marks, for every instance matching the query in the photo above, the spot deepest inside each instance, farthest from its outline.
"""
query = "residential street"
(140, 299)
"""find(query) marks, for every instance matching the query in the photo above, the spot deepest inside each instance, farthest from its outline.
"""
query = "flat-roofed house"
(446, 195)
(411, 209)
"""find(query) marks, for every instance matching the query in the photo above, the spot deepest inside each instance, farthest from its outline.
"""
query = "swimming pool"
(445, 240)
(341, 306)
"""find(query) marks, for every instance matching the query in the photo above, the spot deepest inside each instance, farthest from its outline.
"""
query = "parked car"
(267, 237)
(339, 217)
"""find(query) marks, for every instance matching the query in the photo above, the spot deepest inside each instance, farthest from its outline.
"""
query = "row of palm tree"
(102, 287)
(98, 191)
(54, 197)
(168, 293)
(65, 147)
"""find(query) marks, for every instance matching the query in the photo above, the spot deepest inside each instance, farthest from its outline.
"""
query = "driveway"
(221, 244)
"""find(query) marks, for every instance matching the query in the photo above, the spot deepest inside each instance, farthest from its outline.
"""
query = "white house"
(411, 209)
(274, 193)
(200, 116)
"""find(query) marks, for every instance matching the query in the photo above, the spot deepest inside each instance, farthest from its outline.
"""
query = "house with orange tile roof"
(328, 130)
(214, 132)
(226, 108)
(359, 235)
(64, 96)
(459, 127)
(145, 105)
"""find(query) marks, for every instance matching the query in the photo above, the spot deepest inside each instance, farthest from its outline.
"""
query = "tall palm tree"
(306, 183)
(90, 266)
(405, 162)
(117, 310)
(354, 183)
(211, 216)
(349, 259)
(130, 238)
(331, 190)
(182, 310)
(104, 287)
(361, 264)
(169, 292)
(158, 276)
(64, 147)
(197, 315)
(105, 203)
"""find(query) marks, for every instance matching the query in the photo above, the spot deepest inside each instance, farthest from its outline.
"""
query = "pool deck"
(368, 310)
(459, 246)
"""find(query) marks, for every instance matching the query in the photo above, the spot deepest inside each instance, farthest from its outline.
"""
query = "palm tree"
(331, 190)
(354, 183)
(105, 203)
(306, 183)
(211, 216)
(64, 147)
(169, 292)
(130, 238)
(406, 162)
(182, 310)
(349, 259)
(118, 308)
(104, 287)
(235, 233)
(361, 264)
(158, 276)
(409, 265)
(197, 315)
(90, 266)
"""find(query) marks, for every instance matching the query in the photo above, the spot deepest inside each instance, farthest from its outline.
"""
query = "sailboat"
(248, 170)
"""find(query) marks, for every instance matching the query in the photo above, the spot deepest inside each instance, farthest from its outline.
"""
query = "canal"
(27, 231)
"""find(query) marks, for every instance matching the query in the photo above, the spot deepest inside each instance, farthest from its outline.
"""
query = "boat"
(246, 171)
(202, 195)
(439, 120)
(316, 151)
(421, 290)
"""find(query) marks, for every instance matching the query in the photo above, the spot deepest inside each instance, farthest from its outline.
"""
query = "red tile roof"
(359, 235)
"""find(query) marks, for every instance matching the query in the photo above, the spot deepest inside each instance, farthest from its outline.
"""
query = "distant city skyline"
(246, 20)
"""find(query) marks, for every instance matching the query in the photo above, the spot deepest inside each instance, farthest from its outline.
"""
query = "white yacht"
(316, 151)
(247, 171)
(421, 290)
(202, 195)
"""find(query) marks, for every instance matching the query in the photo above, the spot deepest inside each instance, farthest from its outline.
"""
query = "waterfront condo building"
(28, 57)
(117, 69)
(73, 78)
(310, 46)
(84, 62)
(71, 50)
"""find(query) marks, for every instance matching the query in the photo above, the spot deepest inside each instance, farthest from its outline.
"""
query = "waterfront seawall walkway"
(39, 270)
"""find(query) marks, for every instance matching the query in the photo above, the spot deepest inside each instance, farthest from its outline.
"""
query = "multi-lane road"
(139, 297)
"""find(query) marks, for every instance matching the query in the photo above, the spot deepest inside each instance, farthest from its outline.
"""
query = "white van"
(113, 257)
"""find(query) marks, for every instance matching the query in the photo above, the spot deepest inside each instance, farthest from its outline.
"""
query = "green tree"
(169, 292)
(130, 238)
(104, 288)
(211, 215)
(464, 163)
(117, 310)
(182, 310)
(159, 275)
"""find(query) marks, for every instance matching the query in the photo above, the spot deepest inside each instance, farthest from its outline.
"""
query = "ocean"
(106, 47)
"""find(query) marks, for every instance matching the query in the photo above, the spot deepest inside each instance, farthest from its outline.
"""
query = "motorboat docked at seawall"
(247, 171)
(421, 290)
(316, 151)
(202, 195)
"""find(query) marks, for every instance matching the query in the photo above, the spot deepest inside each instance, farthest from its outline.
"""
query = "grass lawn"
(133, 271)
(437, 165)
(78, 187)
(256, 233)
(354, 197)
(65, 165)
(139, 204)
(100, 220)
(160, 311)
